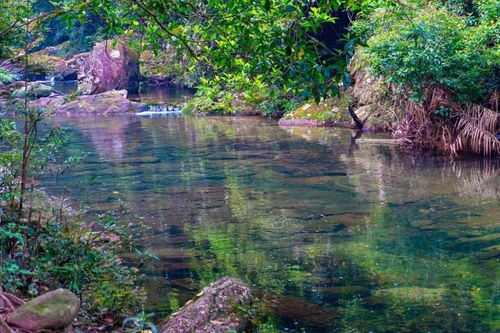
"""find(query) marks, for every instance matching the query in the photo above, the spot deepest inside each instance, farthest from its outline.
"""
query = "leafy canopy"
(422, 44)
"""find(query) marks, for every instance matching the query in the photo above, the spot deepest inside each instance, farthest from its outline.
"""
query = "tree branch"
(357, 121)
(164, 28)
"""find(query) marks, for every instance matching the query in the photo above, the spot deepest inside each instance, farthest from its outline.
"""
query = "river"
(331, 236)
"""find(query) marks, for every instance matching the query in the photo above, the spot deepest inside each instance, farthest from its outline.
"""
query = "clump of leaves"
(70, 97)
(139, 323)
(419, 45)
(6, 76)
(444, 67)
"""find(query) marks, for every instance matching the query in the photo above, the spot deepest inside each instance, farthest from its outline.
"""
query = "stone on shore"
(53, 310)
(33, 90)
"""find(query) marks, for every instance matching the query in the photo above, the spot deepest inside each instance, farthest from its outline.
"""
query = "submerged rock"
(140, 160)
(108, 67)
(413, 294)
(296, 309)
(53, 310)
(217, 310)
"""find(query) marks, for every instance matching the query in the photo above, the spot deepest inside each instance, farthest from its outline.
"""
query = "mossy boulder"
(40, 63)
(106, 103)
(220, 308)
(327, 112)
(53, 310)
(111, 65)
(369, 97)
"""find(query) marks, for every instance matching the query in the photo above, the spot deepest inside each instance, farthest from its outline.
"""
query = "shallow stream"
(331, 236)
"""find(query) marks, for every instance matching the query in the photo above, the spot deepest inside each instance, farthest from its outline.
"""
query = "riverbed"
(331, 236)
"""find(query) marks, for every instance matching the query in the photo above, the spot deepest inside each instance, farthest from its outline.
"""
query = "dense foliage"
(443, 62)
(421, 44)
(266, 49)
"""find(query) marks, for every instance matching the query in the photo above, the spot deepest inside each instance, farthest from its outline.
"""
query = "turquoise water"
(332, 237)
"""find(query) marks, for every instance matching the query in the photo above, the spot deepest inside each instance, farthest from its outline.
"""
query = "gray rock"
(53, 310)
(34, 90)
(107, 103)
(217, 310)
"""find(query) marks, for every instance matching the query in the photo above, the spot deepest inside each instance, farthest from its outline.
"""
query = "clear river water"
(331, 236)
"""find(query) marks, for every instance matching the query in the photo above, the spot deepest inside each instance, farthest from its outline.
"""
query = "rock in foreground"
(217, 310)
(53, 310)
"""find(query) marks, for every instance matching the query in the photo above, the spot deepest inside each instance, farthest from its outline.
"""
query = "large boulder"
(109, 66)
(219, 309)
(53, 310)
(106, 103)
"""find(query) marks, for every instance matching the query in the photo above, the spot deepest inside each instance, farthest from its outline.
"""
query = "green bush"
(421, 45)
(6, 76)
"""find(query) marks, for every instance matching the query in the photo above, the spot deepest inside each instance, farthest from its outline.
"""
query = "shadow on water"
(331, 237)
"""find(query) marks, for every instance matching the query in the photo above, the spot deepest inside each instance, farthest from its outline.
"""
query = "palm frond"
(476, 130)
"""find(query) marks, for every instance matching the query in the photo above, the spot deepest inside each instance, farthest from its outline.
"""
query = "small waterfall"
(160, 110)
(51, 79)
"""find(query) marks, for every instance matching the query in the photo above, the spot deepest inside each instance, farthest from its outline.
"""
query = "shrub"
(424, 45)
(6, 76)
(444, 67)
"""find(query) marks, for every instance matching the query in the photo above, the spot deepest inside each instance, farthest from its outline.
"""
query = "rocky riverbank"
(216, 309)
(105, 76)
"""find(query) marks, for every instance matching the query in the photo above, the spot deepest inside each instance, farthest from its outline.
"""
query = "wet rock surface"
(217, 310)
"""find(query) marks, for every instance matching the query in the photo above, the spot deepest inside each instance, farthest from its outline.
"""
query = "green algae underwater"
(331, 236)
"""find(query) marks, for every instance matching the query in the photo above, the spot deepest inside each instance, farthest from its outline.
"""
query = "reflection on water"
(66, 87)
(332, 237)
(171, 95)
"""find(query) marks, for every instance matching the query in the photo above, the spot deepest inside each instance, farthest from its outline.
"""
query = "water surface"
(332, 237)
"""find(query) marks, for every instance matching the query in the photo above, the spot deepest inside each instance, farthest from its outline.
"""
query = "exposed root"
(9, 302)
